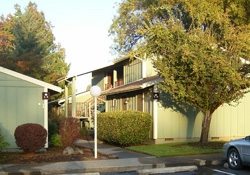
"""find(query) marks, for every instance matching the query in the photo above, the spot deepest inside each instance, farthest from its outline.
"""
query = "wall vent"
(169, 139)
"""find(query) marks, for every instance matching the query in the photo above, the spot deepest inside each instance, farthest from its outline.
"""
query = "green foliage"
(69, 129)
(30, 137)
(84, 132)
(52, 129)
(3, 143)
(30, 48)
(53, 125)
(56, 140)
(124, 127)
(199, 48)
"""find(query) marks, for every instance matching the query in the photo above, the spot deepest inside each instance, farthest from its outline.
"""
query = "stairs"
(85, 110)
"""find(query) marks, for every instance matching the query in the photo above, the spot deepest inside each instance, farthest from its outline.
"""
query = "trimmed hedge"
(124, 127)
(30, 137)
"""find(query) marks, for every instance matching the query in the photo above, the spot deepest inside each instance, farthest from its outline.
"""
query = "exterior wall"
(176, 123)
(98, 78)
(82, 97)
(231, 122)
(228, 122)
(176, 126)
(150, 70)
(20, 102)
(132, 71)
(125, 101)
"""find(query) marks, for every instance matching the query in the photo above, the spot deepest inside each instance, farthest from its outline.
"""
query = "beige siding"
(232, 121)
(150, 70)
(228, 122)
(175, 126)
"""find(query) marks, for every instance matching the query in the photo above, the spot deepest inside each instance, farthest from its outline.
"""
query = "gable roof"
(30, 79)
(137, 85)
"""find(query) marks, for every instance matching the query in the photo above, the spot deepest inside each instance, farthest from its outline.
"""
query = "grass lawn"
(177, 149)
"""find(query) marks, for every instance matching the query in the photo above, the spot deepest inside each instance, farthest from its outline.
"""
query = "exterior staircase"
(85, 110)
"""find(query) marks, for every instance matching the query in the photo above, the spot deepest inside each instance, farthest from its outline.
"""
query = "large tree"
(199, 48)
(31, 45)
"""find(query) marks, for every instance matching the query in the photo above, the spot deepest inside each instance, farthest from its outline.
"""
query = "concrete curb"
(164, 164)
(166, 170)
(125, 165)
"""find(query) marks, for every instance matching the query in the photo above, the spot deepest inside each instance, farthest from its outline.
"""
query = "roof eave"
(31, 80)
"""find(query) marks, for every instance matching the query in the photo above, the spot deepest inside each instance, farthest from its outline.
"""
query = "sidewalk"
(126, 161)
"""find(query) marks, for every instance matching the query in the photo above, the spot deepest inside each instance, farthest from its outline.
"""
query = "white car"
(237, 152)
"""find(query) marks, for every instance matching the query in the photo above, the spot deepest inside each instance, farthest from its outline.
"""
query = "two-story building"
(131, 84)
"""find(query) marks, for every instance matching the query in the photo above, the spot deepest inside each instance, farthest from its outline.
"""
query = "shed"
(22, 100)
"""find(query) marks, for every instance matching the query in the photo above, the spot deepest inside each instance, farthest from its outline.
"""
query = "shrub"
(53, 125)
(56, 140)
(69, 129)
(3, 143)
(30, 137)
(124, 127)
(84, 132)
(52, 129)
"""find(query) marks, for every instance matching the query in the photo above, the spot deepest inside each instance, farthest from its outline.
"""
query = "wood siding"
(20, 102)
(132, 71)
(228, 122)
(98, 78)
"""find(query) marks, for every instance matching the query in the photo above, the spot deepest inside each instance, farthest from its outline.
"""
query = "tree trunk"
(205, 127)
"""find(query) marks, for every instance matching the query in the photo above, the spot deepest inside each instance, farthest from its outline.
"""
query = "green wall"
(20, 102)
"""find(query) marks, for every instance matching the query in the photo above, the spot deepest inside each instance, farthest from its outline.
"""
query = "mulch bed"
(50, 155)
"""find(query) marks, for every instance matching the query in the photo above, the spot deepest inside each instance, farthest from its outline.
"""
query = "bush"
(69, 129)
(30, 137)
(84, 132)
(124, 127)
(53, 125)
(56, 140)
(3, 143)
(52, 130)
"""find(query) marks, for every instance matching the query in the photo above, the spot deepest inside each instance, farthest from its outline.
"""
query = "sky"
(81, 27)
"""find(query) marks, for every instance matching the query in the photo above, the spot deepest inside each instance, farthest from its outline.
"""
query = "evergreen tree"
(34, 52)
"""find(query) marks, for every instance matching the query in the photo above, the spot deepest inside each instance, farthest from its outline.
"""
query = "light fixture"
(95, 91)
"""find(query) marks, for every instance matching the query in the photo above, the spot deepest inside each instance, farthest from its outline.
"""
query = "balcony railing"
(118, 83)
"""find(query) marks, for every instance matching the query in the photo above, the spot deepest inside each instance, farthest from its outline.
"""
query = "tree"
(199, 48)
(6, 41)
(34, 52)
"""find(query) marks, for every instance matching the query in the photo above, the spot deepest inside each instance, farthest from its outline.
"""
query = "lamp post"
(95, 91)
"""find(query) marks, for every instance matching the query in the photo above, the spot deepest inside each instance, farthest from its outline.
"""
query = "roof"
(99, 68)
(30, 79)
(137, 85)
(84, 73)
